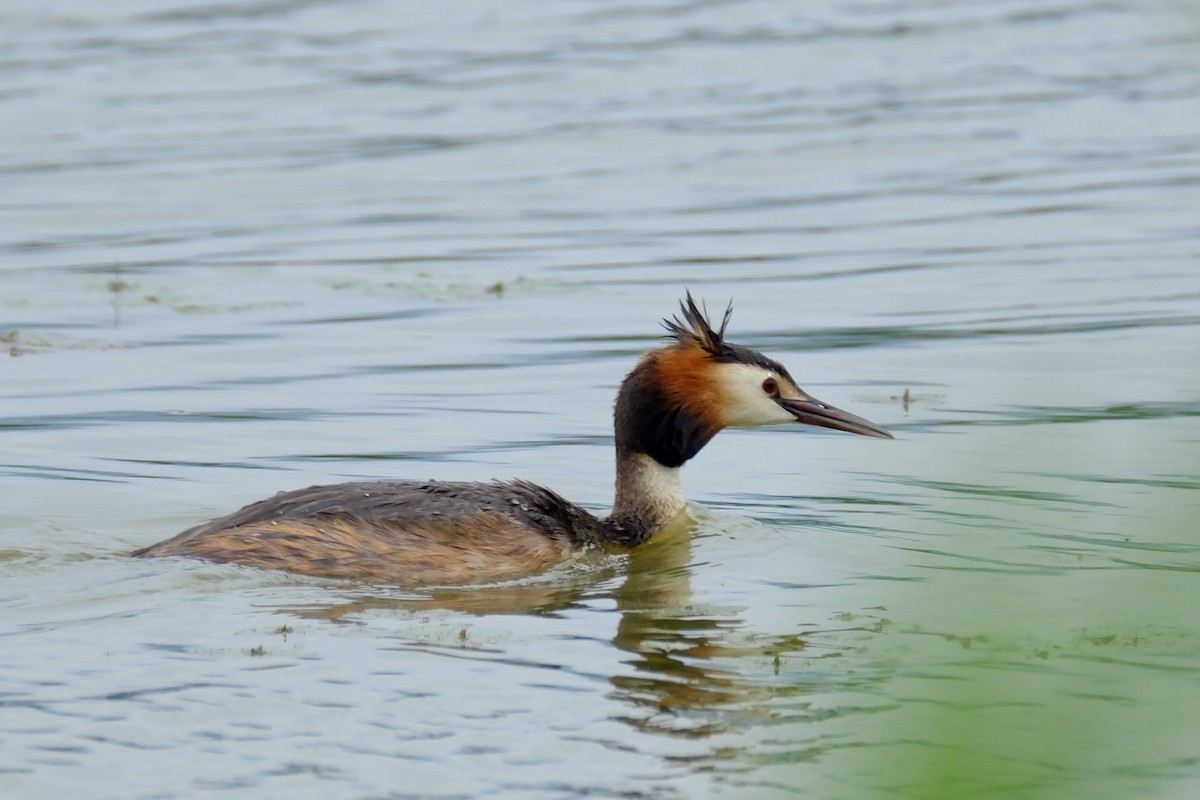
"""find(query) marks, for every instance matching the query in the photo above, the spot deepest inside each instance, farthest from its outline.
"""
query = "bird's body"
(672, 403)
(447, 532)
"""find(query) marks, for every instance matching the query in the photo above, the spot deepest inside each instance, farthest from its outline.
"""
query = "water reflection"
(701, 672)
(546, 595)
(678, 647)
(695, 672)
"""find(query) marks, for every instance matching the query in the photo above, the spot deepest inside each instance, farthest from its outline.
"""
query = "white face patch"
(744, 402)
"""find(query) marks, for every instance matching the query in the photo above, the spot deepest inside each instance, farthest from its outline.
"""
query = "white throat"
(647, 491)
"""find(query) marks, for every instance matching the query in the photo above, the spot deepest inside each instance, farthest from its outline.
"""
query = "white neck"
(647, 492)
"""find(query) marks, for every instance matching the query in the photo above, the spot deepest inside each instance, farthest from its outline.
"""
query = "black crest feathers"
(695, 328)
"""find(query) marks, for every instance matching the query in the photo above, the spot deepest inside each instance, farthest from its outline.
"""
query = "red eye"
(771, 386)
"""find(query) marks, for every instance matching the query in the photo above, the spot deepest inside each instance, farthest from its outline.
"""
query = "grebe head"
(679, 396)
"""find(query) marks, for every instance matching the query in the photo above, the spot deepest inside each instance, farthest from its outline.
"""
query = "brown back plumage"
(405, 533)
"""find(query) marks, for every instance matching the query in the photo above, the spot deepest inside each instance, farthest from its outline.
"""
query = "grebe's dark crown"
(694, 330)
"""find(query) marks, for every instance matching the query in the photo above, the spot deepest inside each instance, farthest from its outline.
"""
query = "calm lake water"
(253, 246)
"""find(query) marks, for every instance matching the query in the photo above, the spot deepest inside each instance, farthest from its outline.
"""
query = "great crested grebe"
(672, 403)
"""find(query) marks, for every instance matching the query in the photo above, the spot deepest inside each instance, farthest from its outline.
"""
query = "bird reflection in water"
(696, 672)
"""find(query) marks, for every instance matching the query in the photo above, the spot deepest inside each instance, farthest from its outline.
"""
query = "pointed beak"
(809, 410)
